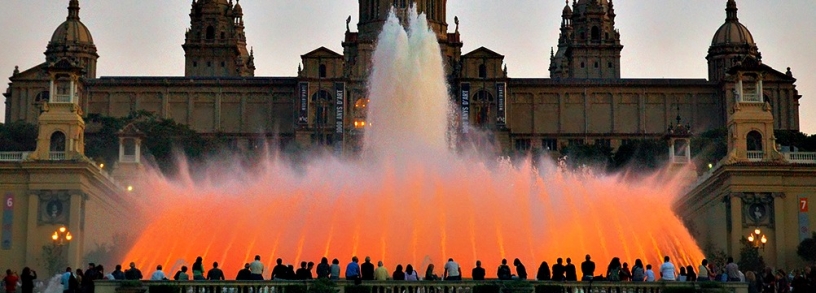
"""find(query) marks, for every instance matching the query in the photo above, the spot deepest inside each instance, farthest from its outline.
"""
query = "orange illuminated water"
(409, 200)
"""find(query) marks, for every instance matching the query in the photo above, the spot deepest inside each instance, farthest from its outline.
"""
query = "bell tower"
(61, 128)
(589, 44)
(374, 13)
(215, 44)
(731, 44)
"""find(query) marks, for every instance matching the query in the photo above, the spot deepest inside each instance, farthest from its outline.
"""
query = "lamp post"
(758, 239)
(61, 236)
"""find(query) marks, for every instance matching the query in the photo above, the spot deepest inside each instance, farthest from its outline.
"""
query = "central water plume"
(423, 207)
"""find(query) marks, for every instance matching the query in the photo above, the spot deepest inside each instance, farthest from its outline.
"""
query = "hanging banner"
(303, 93)
(804, 220)
(465, 96)
(8, 221)
(501, 117)
(340, 93)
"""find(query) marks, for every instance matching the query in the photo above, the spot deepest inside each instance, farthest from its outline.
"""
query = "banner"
(8, 220)
(804, 220)
(501, 117)
(303, 93)
(465, 96)
(340, 93)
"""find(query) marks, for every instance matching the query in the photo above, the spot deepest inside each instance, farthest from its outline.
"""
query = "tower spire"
(73, 10)
(731, 11)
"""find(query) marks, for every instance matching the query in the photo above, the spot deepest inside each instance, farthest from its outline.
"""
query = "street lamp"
(61, 236)
(758, 239)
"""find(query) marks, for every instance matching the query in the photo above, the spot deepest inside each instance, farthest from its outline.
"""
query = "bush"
(357, 289)
(322, 286)
(487, 288)
(294, 288)
(549, 288)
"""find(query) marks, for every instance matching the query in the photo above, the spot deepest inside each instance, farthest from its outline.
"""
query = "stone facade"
(584, 101)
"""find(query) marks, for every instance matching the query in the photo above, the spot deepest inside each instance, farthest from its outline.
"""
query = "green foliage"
(646, 155)
(516, 286)
(750, 260)
(715, 256)
(18, 137)
(54, 259)
(130, 284)
(355, 289)
(294, 289)
(487, 288)
(807, 249)
(686, 289)
(323, 285)
(709, 148)
(590, 155)
(549, 288)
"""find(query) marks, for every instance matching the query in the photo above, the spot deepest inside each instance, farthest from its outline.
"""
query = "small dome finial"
(73, 10)
(731, 11)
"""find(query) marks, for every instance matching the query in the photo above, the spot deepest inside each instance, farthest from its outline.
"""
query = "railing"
(801, 158)
(61, 99)
(681, 160)
(57, 156)
(466, 286)
(13, 156)
(751, 98)
(129, 158)
(755, 156)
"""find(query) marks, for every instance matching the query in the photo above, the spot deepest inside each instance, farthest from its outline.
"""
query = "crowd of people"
(768, 281)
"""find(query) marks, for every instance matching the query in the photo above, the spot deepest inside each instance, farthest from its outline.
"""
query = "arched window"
(322, 71)
(42, 97)
(57, 142)
(129, 146)
(482, 71)
(754, 142)
(596, 34)
(323, 106)
(483, 104)
(210, 32)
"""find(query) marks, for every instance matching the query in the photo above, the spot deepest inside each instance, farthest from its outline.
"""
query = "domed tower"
(589, 45)
(215, 43)
(731, 44)
(72, 40)
(373, 14)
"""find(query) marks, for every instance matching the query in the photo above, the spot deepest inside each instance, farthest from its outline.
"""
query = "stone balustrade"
(13, 156)
(466, 286)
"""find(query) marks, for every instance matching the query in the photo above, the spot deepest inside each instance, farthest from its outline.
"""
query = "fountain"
(409, 200)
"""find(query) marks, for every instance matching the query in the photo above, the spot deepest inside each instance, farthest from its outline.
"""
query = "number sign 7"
(803, 205)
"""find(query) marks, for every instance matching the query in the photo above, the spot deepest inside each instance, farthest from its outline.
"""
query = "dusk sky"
(662, 39)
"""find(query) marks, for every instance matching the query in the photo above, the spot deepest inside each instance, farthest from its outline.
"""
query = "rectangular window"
(603, 142)
(523, 144)
(576, 141)
(549, 144)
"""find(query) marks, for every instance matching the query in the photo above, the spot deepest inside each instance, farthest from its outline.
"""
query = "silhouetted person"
(569, 270)
(198, 269)
(290, 272)
(133, 273)
(117, 273)
(503, 273)
(558, 270)
(323, 269)
(367, 269)
(182, 275)
(244, 274)
(27, 279)
(521, 271)
(309, 268)
(353, 269)
(302, 273)
(587, 269)
(215, 274)
(256, 269)
(478, 272)
(543, 272)
(335, 270)
(398, 274)
(279, 271)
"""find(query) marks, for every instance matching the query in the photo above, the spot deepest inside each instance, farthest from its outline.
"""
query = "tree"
(807, 249)
(646, 155)
(709, 148)
(594, 155)
(750, 260)
(18, 136)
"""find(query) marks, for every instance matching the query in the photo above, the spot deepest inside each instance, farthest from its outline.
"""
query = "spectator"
(478, 273)
(244, 274)
(353, 269)
(302, 273)
(335, 270)
(452, 271)
(682, 277)
(215, 274)
(399, 274)
(323, 269)
(279, 271)
(309, 268)
(625, 273)
(521, 271)
(691, 276)
(290, 272)
(799, 284)
(133, 273)
(80, 278)
(158, 275)
(503, 273)
(703, 269)
(782, 285)
(667, 272)
(198, 269)
(381, 273)
(411, 274)
(650, 275)
(182, 274)
(367, 269)
(613, 270)
(11, 281)
(256, 269)
(638, 273)
(429, 274)
(66, 280)
(27, 279)
(543, 272)
(117, 273)
(569, 271)
(558, 270)
(588, 269)
(732, 269)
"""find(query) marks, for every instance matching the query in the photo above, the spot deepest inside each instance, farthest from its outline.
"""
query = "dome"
(72, 31)
(732, 33)
(238, 10)
(567, 11)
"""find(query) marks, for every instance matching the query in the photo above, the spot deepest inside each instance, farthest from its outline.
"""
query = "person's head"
(279, 261)
(559, 261)
(544, 265)
(324, 260)
(354, 259)
(516, 262)
(730, 259)
(409, 269)
(68, 269)
(504, 261)
(478, 263)
(215, 264)
(291, 267)
(183, 269)
(368, 259)
(100, 268)
(118, 267)
(257, 257)
(8, 272)
(26, 271)
(689, 269)
(682, 270)
(399, 268)
(91, 265)
(780, 274)
(79, 272)
(638, 263)
(336, 261)
(310, 265)
(626, 265)
(379, 264)
(303, 265)
(246, 266)
(750, 277)
(588, 257)
(666, 258)
(808, 270)
(705, 262)
(569, 261)
(132, 265)
(158, 267)
(199, 259)
(648, 267)
(430, 268)
(450, 259)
